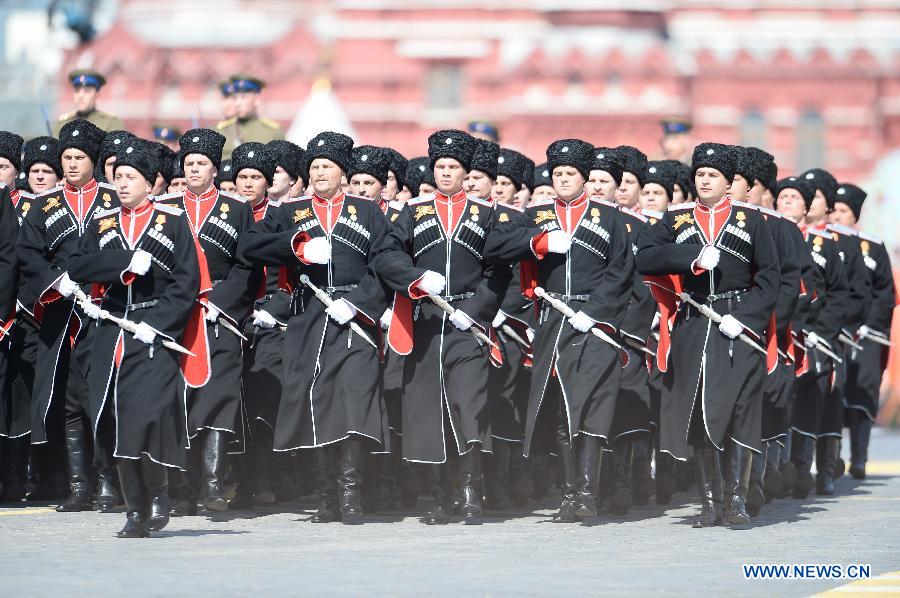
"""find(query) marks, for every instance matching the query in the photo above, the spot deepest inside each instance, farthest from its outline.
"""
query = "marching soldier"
(396, 175)
(542, 184)
(86, 86)
(40, 163)
(480, 179)
(103, 172)
(288, 169)
(438, 252)
(867, 366)
(47, 240)
(634, 164)
(215, 409)
(246, 125)
(419, 178)
(606, 174)
(577, 249)
(332, 388)
(728, 270)
(144, 256)
(369, 166)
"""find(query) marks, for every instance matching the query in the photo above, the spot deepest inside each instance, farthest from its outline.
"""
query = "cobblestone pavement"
(275, 552)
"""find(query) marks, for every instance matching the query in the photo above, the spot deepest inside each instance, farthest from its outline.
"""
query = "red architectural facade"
(813, 82)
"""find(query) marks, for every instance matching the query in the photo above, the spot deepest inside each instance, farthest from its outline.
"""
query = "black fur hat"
(514, 166)
(371, 160)
(140, 155)
(807, 191)
(451, 143)
(823, 181)
(82, 135)
(205, 142)
(542, 176)
(609, 160)
(399, 165)
(661, 174)
(329, 145)
(257, 156)
(571, 152)
(417, 172)
(11, 148)
(851, 195)
(289, 156)
(633, 160)
(718, 156)
(485, 157)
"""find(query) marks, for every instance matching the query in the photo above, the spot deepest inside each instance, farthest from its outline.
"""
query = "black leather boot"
(588, 470)
(566, 513)
(352, 458)
(756, 496)
(80, 498)
(826, 453)
(521, 485)
(665, 478)
(860, 432)
(189, 483)
(107, 493)
(156, 482)
(131, 478)
(803, 449)
(496, 484)
(642, 485)
(709, 483)
(772, 481)
(15, 466)
(326, 468)
(440, 510)
(471, 486)
(739, 462)
(213, 463)
(622, 496)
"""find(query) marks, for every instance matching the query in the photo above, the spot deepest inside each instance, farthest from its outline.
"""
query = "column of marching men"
(467, 325)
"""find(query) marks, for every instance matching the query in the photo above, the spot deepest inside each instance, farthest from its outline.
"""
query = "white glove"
(499, 319)
(341, 311)
(144, 333)
(386, 318)
(65, 286)
(461, 320)
(708, 258)
(317, 251)
(432, 282)
(558, 242)
(529, 334)
(581, 322)
(212, 313)
(730, 326)
(263, 319)
(812, 339)
(140, 262)
(864, 331)
(92, 310)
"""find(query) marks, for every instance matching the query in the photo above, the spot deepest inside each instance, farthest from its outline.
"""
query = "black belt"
(134, 306)
(262, 300)
(568, 298)
(457, 297)
(719, 296)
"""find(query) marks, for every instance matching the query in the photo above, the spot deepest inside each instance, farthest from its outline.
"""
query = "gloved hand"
(144, 334)
(317, 250)
(558, 242)
(432, 282)
(529, 334)
(140, 262)
(499, 319)
(730, 326)
(212, 313)
(341, 311)
(386, 318)
(65, 286)
(709, 257)
(581, 322)
(461, 320)
(263, 319)
(864, 331)
(812, 339)
(92, 310)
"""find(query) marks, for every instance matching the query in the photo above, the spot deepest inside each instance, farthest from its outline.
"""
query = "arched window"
(810, 141)
(753, 129)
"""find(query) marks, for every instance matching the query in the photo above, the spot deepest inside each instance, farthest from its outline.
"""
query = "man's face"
(711, 185)
(41, 178)
(478, 184)
(85, 98)
(108, 167)
(568, 182)
(601, 184)
(819, 208)
(326, 177)
(177, 185)
(739, 188)
(790, 204)
(228, 109)
(245, 103)
(228, 187)
(77, 167)
(199, 172)
(449, 175)
(389, 193)
(755, 194)
(298, 189)
(131, 186)
(629, 191)
(522, 197)
(675, 145)
(365, 185)
(281, 183)
(842, 214)
(251, 184)
(159, 185)
(677, 194)
(654, 197)
(504, 190)
(543, 192)
(426, 188)
(768, 200)
(8, 172)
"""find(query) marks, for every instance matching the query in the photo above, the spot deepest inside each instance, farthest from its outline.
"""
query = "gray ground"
(654, 550)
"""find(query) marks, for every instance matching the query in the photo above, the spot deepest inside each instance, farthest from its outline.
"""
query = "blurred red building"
(813, 82)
